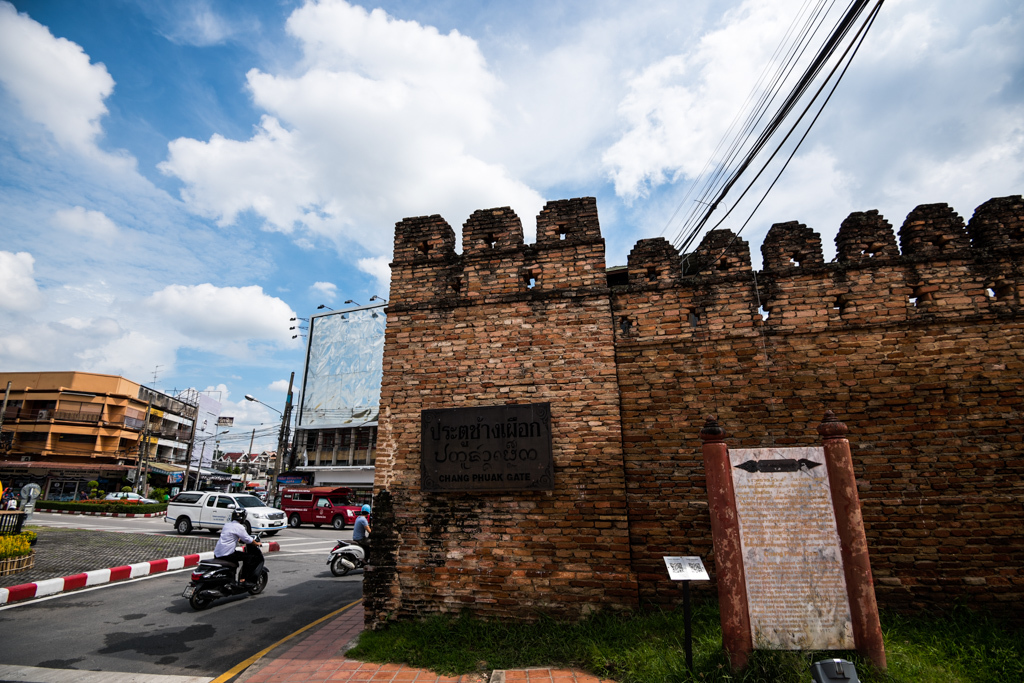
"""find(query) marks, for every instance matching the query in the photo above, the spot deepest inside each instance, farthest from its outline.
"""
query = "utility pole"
(248, 456)
(282, 438)
(3, 411)
(191, 446)
(143, 444)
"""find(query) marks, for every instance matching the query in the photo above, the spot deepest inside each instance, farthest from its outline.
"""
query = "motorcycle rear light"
(196, 576)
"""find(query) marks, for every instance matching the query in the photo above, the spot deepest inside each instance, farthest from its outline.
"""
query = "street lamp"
(282, 439)
(350, 301)
(321, 306)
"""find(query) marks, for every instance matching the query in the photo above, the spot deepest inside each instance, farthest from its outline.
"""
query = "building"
(68, 428)
(336, 426)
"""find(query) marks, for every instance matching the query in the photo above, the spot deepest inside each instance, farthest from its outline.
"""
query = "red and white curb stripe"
(96, 577)
(103, 514)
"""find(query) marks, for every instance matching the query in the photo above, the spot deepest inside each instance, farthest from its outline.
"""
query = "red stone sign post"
(725, 533)
(867, 631)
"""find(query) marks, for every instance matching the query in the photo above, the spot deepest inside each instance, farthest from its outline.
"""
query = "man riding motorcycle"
(231, 535)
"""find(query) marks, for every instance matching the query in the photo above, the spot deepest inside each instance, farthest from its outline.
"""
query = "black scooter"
(213, 579)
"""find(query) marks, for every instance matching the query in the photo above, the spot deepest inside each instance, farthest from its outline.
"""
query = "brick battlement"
(916, 344)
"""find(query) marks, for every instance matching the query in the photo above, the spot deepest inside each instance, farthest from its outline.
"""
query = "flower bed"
(101, 506)
(16, 553)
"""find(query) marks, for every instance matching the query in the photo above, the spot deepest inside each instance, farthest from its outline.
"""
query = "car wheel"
(183, 526)
(337, 568)
(199, 603)
(248, 528)
(260, 584)
(294, 521)
(338, 522)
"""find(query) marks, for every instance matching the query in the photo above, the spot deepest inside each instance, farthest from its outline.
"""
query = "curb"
(96, 577)
(103, 514)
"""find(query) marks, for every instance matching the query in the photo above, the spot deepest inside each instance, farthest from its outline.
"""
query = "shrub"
(14, 546)
(126, 489)
(102, 506)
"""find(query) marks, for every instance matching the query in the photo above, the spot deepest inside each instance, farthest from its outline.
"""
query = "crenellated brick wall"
(920, 353)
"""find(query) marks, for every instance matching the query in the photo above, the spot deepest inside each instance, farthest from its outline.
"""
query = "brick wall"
(920, 353)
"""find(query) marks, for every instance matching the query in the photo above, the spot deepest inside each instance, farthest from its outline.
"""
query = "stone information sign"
(487, 448)
(796, 590)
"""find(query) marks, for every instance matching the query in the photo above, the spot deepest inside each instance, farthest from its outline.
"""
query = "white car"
(129, 498)
(212, 510)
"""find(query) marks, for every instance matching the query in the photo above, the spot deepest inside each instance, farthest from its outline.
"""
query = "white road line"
(35, 674)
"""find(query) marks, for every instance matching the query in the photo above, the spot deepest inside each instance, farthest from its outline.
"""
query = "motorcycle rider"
(231, 535)
(361, 531)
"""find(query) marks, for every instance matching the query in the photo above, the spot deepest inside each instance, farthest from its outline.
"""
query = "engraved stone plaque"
(487, 448)
(796, 591)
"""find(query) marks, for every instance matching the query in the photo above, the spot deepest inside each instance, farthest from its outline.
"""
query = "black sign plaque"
(487, 448)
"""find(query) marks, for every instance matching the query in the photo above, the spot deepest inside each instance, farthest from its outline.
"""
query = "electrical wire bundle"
(773, 116)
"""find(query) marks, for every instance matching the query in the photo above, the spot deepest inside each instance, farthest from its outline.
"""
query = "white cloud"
(678, 108)
(380, 268)
(87, 223)
(53, 80)
(205, 312)
(328, 290)
(18, 289)
(279, 386)
(375, 126)
(197, 24)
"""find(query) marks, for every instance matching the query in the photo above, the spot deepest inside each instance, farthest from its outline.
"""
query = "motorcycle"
(214, 579)
(345, 557)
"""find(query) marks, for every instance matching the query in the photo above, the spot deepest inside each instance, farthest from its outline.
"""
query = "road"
(145, 626)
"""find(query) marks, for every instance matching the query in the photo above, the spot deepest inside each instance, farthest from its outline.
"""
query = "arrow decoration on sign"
(782, 465)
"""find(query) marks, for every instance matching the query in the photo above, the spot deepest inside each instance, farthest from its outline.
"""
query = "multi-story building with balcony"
(63, 429)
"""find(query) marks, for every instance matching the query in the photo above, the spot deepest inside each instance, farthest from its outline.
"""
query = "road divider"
(37, 589)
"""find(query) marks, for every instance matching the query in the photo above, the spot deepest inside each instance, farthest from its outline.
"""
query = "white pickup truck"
(212, 510)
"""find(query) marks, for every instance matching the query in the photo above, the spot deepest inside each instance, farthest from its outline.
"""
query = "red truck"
(318, 505)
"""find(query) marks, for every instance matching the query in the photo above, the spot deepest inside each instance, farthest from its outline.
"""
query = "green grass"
(959, 647)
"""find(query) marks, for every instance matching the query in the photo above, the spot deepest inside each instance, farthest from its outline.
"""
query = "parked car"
(211, 510)
(319, 505)
(129, 497)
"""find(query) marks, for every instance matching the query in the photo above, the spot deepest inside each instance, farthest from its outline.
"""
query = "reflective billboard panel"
(343, 369)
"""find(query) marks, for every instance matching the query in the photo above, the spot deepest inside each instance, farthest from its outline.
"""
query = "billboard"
(344, 367)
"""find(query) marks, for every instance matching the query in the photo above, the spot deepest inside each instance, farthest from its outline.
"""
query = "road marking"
(35, 674)
(239, 668)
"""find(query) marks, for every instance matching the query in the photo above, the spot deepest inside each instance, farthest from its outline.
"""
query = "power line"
(743, 149)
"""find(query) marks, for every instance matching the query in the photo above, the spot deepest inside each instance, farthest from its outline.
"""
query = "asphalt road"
(145, 626)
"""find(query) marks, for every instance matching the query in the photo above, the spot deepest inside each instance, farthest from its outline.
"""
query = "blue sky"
(179, 179)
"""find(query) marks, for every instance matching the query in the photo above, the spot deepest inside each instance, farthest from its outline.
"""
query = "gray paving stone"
(63, 552)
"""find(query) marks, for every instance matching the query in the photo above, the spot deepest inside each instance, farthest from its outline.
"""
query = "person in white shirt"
(231, 535)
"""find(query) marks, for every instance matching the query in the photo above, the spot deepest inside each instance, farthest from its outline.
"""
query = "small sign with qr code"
(686, 569)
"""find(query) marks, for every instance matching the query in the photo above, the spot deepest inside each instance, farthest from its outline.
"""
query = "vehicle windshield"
(250, 502)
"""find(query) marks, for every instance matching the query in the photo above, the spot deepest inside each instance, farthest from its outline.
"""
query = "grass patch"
(957, 647)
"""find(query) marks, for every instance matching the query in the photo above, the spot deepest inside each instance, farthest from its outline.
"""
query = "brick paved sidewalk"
(319, 657)
(63, 552)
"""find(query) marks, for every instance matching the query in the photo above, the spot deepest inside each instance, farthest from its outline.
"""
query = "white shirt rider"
(230, 536)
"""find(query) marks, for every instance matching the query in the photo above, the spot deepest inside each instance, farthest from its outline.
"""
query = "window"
(323, 503)
(211, 501)
(224, 501)
(302, 496)
(187, 498)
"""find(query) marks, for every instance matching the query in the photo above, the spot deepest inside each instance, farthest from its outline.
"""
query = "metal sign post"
(686, 569)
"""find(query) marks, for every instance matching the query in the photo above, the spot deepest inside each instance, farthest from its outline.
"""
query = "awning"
(165, 468)
(42, 464)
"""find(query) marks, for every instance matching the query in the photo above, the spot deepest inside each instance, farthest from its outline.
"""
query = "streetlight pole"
(282, 438)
